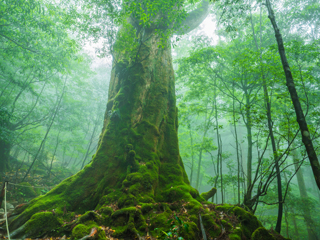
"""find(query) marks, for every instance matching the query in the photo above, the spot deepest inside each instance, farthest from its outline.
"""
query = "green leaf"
(186, 227)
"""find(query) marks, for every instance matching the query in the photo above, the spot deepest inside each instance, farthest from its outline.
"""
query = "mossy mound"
(262, 234)
(248, 223)
(82, 230)
(149, 219)
(39, 225)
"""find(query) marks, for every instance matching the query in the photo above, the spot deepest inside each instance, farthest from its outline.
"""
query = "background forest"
(53, 93)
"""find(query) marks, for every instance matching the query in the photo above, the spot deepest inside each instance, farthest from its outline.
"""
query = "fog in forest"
(238, 129)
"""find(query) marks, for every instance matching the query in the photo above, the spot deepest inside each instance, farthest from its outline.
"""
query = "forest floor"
(38, 183)
(35, 184)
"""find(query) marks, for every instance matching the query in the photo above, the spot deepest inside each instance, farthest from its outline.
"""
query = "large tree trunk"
(138, 159)
(136, 180)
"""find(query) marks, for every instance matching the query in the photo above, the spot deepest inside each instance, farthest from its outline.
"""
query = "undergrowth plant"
(176, 226)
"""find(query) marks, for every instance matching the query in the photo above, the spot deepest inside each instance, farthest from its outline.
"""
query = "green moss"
(224, 208)
(131, 155)
(210, 225)
(41, 224)
(193, 207)
(234, 236)
(209, 194)
(106, 210)
(124, 211)
(79, 231)
(176, 193)
(160, 221)
(135, 134)
(69, 216)
(110, 198)
(103, 201)
(191, 234)
(129, 147)
(82, 230)
(237, 231)
(28, 190)
(146, 199)
(147, 207)
(147, 124)
(127, 200)
(226, 225)
(90, 216)
(262, 234)
(249, 222)
(128, 222)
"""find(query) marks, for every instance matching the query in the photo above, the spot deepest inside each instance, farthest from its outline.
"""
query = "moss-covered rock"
(106, 210)
(40, 224)
(82, 230)
(147, 207)
(262, 234)
(248, 223)
(191, 233)
(90, 216)
(79, 231)
(236, 234)
(210, 224)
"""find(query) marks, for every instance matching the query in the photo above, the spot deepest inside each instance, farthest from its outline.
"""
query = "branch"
(193, 19)
(18, 43)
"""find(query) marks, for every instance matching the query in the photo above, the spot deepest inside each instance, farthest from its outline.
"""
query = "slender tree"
(270, 127)
(306, 136)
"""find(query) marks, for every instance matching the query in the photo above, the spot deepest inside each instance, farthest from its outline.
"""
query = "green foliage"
(5, 133)
(176, 226)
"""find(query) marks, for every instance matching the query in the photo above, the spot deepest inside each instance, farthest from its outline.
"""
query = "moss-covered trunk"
(136, 180)
(138, 159)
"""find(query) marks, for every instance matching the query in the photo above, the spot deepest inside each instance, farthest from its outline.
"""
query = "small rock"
(9, 206)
